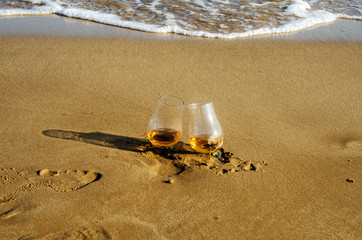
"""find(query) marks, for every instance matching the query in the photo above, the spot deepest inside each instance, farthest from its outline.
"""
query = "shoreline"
(54, 25)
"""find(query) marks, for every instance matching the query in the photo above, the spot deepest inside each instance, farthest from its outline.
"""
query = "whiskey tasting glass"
(165, 126)
(206, 135)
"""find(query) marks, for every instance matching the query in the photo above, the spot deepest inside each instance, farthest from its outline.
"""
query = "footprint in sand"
(10, 213)
(77, 233)
(67, 180)
(14, 184)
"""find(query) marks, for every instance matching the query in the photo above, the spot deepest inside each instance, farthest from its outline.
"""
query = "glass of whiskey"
(206, 134)
(165, 126)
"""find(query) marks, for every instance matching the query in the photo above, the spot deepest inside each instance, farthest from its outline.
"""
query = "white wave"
(306, 18)
(344, 16)
(298, 8)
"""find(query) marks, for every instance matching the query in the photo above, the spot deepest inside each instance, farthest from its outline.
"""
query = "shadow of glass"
(182, 156)
(118, 142)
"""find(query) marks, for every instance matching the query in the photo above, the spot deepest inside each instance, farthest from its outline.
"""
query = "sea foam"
(215, 19)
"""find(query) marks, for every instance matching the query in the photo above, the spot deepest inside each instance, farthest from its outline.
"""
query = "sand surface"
(74, 162)
(54, 25)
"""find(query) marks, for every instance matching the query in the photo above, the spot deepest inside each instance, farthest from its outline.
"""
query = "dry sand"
(75, 163)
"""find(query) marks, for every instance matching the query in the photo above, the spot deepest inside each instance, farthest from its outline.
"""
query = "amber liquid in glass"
(164, 137)
(205, 143)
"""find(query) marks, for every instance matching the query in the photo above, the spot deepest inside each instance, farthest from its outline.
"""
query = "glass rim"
(182, 103)
(199, 104)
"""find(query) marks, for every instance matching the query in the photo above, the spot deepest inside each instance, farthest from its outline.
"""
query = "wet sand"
(54, 25)
(75, 161)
